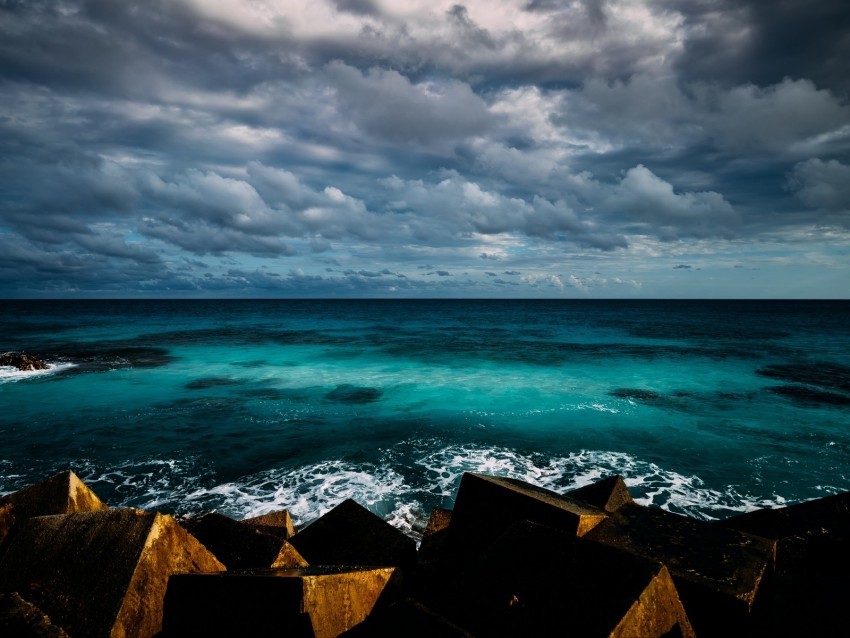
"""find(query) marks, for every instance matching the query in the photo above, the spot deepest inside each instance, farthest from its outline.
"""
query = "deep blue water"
(706, 407)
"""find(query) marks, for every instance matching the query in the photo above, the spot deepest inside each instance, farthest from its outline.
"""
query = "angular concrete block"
(434, 537)
(275, 524)
(487, 505)
(63, 493)
(609, 494)
(408, 618)
(101, 573)
(316, 601)
(22, 619)
(810, 588)
(236, 545)
(352, 535)
(538, 581)
(722, 575)
(439, 519)
(289, 558)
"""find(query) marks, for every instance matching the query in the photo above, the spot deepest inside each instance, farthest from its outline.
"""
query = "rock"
(63, 493)
(407, 618)
(538, 581)
(810, 586)
(721, 574)
(22, 619)
(236, 545)
(101, 573)
(487, 505)
(352, 535)
(609, 494)
(22, 361)
(275, 523)
(316, 601)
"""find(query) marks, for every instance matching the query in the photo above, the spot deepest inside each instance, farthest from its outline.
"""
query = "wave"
(10, 374)
(402, 485)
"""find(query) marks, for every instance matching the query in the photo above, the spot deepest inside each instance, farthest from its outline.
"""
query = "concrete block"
(408, 618)
(320, 602)
(352, 535)
(274, 523)
(101, 573)
(810, 587)
(434, 537)
(537, 581)
(63, 493)
(487, 505)
(609, 494)
(289, 558)
(22, 619)
(722, 575)
(236, 545)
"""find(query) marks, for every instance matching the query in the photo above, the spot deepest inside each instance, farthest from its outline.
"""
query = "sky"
(420, 148)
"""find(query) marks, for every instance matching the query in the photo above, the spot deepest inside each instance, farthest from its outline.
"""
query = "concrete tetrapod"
(104, 573)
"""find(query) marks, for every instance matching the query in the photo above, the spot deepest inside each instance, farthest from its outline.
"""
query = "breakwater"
(510, 559)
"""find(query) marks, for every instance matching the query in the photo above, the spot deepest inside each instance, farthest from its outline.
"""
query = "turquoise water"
(707, 408)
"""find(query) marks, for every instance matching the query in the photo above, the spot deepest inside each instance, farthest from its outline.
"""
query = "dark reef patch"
(347, 393)
(210, 382)
(104, 356)
(822, 374)
(637, 394)
(809, 397)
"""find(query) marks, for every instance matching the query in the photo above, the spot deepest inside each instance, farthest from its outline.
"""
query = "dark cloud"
(583, 144)
(740, 41)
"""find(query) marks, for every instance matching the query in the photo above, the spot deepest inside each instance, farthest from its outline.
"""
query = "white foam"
(652, 484)
(10, 374)
(402, 485)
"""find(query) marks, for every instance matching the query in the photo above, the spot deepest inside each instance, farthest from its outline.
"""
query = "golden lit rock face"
(316, 601)
(102, 573)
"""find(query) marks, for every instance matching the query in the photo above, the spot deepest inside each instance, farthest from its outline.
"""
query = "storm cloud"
(388, 148)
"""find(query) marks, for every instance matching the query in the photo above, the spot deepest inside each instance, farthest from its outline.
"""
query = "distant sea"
(707, 408)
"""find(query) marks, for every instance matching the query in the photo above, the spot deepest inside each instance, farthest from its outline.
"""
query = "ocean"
(707, 408)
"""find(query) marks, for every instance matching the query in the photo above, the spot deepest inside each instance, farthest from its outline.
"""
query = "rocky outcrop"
(22, 361)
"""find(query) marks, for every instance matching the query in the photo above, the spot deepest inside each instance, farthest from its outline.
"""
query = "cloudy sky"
(420, 148)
